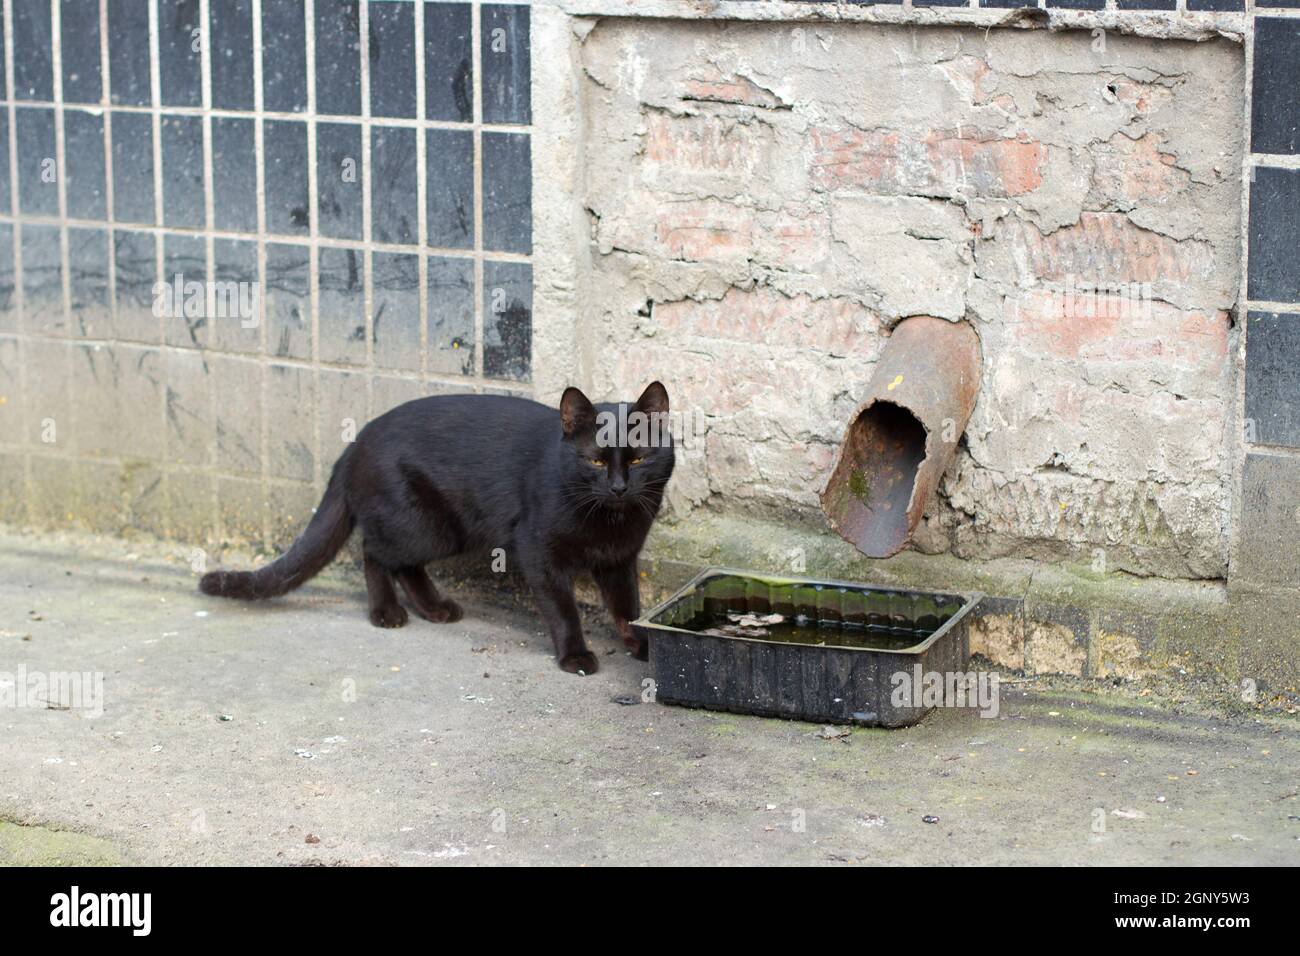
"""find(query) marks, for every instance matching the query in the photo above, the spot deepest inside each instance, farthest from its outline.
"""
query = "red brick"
(704, 230)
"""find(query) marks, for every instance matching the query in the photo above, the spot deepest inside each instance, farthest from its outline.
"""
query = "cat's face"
(621, 454)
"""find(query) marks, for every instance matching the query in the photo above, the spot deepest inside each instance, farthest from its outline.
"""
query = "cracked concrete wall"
(767, 202)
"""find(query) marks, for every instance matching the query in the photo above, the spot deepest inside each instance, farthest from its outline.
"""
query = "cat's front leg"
(620, 588)
(553, 590)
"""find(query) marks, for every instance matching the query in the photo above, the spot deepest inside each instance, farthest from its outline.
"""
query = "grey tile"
(507, 320)
(395, 322)
(449, 158)
(287, 204)
(507, 192)
(284, 56)
(38, 179)
(1270, 520)
(91, 302)
(182, 164)
(448, 62)
(180, 67)
(135, 271)
(234, 174)
(133, 195)
(8, 303)
(42, 280)
(79, 48)
(287, 304)
(1274, 266)
(392, 59)
(128, 53)
(33, 64)
(341, 306)
(190, 428)
(185, 262)
(393, 210)
(234, 298)
(83, 149)
(506, 63)
(338, 57)
(238, 411)
(339, 179)
(1273, 377)
(451, 316)
(291, 433)
(232, 54)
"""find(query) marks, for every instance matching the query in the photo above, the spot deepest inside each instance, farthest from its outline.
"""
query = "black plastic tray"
(848, 679)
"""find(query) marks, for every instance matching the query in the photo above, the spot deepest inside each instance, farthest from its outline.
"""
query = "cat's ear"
(654, 400)
(577, 414)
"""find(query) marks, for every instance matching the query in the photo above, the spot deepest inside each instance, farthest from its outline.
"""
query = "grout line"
(209, 219)
(368, 269)
(421, 203)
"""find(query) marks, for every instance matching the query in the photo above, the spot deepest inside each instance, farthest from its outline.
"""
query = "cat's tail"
(326, 533)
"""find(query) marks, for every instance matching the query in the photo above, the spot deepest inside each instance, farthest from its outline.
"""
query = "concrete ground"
(294, 733)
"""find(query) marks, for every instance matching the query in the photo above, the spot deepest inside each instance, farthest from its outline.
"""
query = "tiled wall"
(1269, 538)
(364, 169)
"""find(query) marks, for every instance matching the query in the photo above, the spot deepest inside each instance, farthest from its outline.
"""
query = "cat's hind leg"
(384, 609)
(424, 597)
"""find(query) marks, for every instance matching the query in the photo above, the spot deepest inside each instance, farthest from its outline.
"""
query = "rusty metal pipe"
(903, 435)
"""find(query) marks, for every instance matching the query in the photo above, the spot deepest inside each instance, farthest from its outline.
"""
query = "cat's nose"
(619, 490)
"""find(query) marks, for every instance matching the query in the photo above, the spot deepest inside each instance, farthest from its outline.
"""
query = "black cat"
(560, 491)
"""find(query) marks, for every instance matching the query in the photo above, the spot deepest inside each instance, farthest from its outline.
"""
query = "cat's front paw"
(394, 615)
(584, 662)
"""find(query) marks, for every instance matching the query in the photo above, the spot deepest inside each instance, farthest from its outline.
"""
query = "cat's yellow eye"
(636, 461)
(596, 462)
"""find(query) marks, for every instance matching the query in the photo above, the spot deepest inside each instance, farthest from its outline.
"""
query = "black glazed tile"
(5, 192)
(395, 320)
(287, 204)
(234, 300)
(341, 305)
(1076, 4)
(4, 73)
(42, 279)
(1275, 108)
(1273, 378)
(448, 63)
(232, 54)
(339, 179)
(38, 180)
(182, 168)
(1270, 502)
(135, 268)
(939, 3)
(234, 174)
(79, 47)
(288, 300)
(507, 320)
(284, 56)
(392, 59)
(338, 57)
(506, 64)
(1001, 4)
(90, 302)
(507, 192)
(1276, 4)
(1146, 4)
(83, 149)
(1216, 5)
(449, 161)
(394, 209)
(33, 64)
(185, 261)
(133, 167)
(128, 53)
(1274, 264)
(451, 316)
(180, 66)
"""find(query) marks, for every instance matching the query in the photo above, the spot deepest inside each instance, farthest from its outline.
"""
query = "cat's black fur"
(446, 475)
